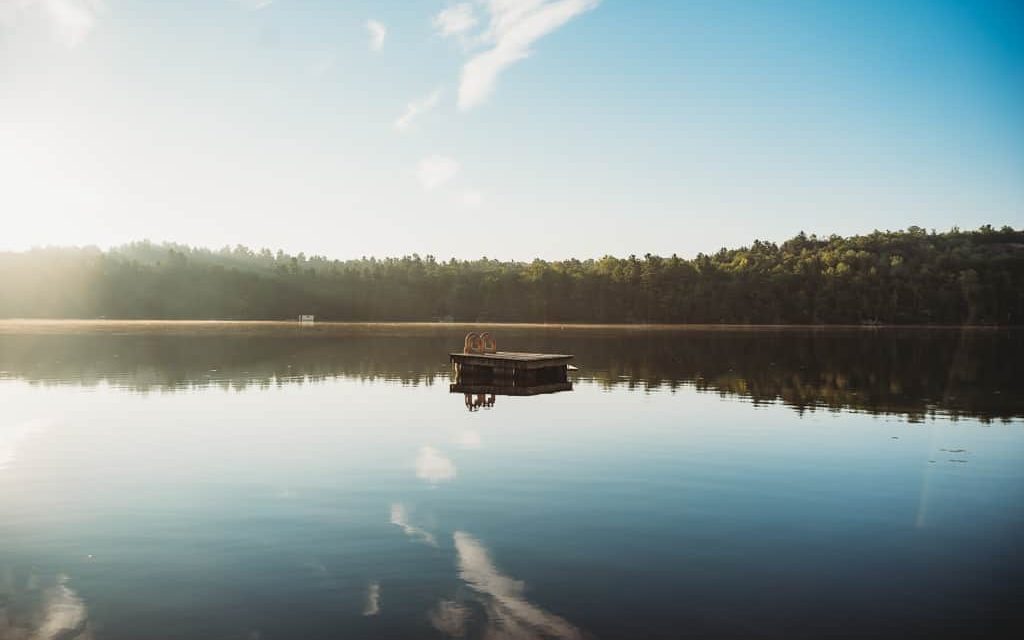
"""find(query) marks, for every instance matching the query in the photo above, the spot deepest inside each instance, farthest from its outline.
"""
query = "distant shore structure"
(306, 319)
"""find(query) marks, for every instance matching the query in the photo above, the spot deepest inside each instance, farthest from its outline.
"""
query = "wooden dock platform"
(509, 367)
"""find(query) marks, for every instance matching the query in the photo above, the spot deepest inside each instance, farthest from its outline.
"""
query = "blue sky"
(507, 128)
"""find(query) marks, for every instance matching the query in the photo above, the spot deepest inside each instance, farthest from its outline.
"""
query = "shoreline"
(65, 325)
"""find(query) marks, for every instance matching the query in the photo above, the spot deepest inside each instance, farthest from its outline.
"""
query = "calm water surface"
(276, 482)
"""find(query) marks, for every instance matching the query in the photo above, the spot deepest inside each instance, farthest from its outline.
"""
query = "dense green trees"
(911, 276)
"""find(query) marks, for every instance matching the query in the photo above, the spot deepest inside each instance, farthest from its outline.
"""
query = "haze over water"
(273, 481)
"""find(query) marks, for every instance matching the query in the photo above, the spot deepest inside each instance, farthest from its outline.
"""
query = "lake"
(263, 481)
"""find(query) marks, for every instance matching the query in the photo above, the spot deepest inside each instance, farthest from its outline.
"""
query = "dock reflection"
(482, 396)
(475, 401)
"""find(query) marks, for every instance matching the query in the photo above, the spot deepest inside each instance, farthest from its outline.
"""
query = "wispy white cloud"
(455, 20)
(432, 172)
(514, 26)
(377, 33)
(323, 64)
(253, 4)
(472, 198)
(70, 21)
(417, 108)
(73, 19)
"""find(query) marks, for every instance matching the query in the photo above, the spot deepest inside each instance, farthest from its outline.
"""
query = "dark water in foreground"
(277, 482)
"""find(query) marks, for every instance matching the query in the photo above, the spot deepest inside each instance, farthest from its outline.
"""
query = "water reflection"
(450, 618)
(913, 372)
(372, 606)
(400, 518)
(482, 396)
(386, 510)
(31, 612)
(433, 466)
(13, 438)
(475, 401)
(507, 612)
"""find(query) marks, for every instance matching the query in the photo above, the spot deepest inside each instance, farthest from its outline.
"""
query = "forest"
(912, 276)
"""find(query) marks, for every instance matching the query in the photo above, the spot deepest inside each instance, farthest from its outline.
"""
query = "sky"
(511, 129)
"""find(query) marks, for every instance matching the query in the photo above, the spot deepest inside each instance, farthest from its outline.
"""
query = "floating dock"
(511, 368)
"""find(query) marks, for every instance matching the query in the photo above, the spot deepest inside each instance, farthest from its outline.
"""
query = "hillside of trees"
(912, 276)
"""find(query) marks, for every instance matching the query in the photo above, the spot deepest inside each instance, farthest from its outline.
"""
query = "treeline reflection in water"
(911, 372)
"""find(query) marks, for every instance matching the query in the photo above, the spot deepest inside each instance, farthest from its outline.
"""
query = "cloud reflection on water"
(433, 466)
(450, 618)
(55, 613)
(372, 606)
(509, 614)
(400, 518)
(12, 439)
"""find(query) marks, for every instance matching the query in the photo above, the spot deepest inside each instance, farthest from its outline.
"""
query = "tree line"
(897, 277)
